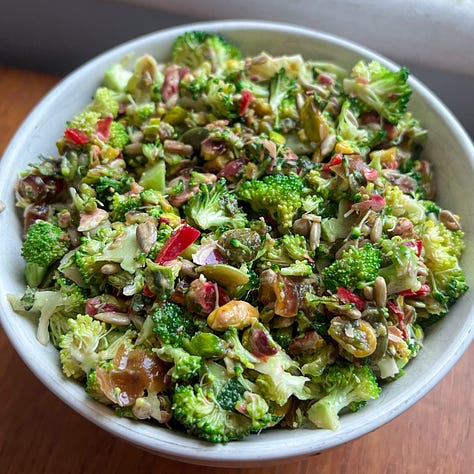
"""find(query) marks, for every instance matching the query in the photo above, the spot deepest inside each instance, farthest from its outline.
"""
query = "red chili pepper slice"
(102, 129)
(346, 296)
(179, 241)
(246, 99)
(423, 291)
(77, 136)
(334, 161)
(370, 174)
(417, 246)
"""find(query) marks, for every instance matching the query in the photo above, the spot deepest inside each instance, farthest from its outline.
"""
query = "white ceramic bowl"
(448, 147)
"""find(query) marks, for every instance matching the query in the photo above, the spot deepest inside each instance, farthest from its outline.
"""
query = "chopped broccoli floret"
(379, 89)
(105, 102)
(194, 48)
(85, 121)
(108, 246)
(344, 386)
(281, 89)
(278, 194)
(44, 244)
(402, 273)
(79, 346)
(221, 408)
(117, 77)
(185, 365)
(214, 206)
(356, 268)
(352, 135)
(277, 383)
(172, 324)
(442, 249)
(219, 96)
(119, 137)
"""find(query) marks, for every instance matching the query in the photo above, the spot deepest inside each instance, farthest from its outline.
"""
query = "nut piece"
(146, 235)
(449, 220)
(113, 317)
(380, 292)
(235, 313)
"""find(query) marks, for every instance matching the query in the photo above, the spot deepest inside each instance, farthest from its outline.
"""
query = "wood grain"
(40, 434)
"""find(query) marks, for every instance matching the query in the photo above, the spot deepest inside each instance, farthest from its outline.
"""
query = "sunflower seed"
(146, 235)
(380, 292)
(449, 220)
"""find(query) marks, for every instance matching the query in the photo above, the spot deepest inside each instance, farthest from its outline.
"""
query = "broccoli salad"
(227, 244)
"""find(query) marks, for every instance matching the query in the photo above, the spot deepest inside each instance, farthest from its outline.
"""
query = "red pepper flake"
(76, 136)
(346, 296)
(102, 129)
(245, 100)
(178, 242)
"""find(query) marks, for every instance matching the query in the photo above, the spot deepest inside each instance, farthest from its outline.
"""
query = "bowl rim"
(185, 448)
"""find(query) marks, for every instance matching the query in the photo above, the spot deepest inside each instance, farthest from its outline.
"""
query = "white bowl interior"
(448, 147)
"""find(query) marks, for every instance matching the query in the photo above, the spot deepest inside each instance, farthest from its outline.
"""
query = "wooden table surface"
(40, 434)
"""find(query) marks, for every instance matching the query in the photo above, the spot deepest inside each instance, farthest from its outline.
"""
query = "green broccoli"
(85, 121)
(106, 186)
(214, 206)
(119, 136)
(282, 88)
(442, 250)
(221, 408)
(348, 131)
(116, 77)
(402, 273)
(80, 346)
(105, 102)
(118, 245)
(120, 204)
(44, 244)
(219, 96)
(259, 90)
(276, 382)
(185, 366)
(194, 48)
(377, 88)
(278, 194)
(172, 324)
(356, 268)
(207, 345)
(285, 251)
(344, 385)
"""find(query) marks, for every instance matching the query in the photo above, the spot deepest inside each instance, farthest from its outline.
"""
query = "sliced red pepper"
(416, 245)
(346, 296)
(376, 203)
(179, 241)
(334, 161)
(370, 174)
(76, 136)
(423, 291)
(246, 99)
(102, 129)
(401, 317)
